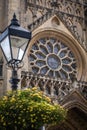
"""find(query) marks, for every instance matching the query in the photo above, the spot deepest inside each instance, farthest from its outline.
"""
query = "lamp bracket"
(15, 64)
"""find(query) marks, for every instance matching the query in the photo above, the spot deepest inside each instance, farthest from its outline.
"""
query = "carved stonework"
(70, 12)
(56, 59)
(56, 88)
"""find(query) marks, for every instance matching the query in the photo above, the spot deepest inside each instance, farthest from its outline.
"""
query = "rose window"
(49, 56)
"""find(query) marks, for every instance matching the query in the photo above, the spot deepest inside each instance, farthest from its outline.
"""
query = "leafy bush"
(28, 109)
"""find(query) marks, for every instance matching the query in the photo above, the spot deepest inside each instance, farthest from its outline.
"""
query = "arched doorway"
(76, 120)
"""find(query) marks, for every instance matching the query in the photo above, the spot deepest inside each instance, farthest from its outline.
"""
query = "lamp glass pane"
(18, 46)
(20, 54)
(5, 45)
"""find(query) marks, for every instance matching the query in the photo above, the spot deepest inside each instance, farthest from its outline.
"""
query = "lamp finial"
(14, 21)
(14, 16)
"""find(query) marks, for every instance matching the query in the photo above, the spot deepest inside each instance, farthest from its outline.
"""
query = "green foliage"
(28, 109)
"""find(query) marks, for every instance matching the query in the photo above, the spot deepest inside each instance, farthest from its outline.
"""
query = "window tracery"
(50, 56)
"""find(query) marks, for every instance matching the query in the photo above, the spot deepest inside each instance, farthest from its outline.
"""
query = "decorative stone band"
(55, 88)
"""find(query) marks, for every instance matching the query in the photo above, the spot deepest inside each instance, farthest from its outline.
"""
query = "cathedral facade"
(56, 58)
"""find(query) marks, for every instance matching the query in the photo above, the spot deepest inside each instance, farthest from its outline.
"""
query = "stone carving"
(55, 88)
(69, 12)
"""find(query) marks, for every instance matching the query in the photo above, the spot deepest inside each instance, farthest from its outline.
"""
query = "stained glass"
(52, 57)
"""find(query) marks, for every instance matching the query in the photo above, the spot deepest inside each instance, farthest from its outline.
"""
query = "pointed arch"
(78, 101)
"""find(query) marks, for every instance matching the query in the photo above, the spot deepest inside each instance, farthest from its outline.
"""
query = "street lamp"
(13, 42)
